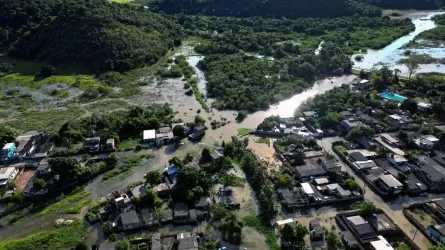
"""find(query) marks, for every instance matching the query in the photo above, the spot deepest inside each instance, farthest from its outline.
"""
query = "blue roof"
(172, 170)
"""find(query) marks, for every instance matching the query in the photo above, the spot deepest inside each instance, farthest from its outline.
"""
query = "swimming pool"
(394, 97)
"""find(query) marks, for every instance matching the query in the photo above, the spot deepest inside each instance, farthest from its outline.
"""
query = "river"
(391, 54)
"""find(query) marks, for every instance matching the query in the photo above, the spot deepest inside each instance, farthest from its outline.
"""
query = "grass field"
(24, 73)
(65, 202)
(264, 140)
(44, 120)
(59, 238)
(244, 131)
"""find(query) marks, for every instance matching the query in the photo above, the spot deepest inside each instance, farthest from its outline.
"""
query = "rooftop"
(149, 134)
(362, 165)
(381, 244)
(390, 181)
(130, 217)
(310, 170)
(357, 156)
(440, 203)
(6, 172)
(307, 188)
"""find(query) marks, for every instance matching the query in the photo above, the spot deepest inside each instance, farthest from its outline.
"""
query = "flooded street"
(391, 54)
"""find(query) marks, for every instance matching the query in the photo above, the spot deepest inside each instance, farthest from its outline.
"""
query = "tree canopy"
(102, 35)
(273, 9)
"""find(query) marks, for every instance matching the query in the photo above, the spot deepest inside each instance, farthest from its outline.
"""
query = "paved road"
(393, 209)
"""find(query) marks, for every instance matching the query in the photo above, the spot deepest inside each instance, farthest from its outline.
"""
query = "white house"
(7, 174)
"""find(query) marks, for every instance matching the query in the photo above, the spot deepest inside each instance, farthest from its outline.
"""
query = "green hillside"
(99, 34)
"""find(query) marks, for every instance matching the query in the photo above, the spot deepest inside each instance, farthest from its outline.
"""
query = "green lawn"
(59, 238)
(75, 209)
(244, 131)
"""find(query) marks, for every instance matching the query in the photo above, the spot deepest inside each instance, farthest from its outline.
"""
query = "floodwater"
(391, 54)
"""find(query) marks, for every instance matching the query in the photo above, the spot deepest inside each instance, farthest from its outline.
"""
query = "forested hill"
(102, 35)
(267, 8)
(407, 4)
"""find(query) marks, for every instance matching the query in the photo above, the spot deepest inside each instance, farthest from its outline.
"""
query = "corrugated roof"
(149, 134)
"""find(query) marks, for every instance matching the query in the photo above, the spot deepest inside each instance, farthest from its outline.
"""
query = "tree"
(107, 226)
(231, 228)
(205, 155)
(403, 136)
(332, 240)
(358, 132)
(412, 66)
(300, 232)
(39, 183)
(367, 208)
(153, 178)
(352, 185)
(410, 105)
(179, 131)
(67, 168)
(47, 70)
(287, 233)
(199, 120)
(6, 67)
(81, 246)
(6, 134)
(111, 160)
(188, 158)
(123, 245)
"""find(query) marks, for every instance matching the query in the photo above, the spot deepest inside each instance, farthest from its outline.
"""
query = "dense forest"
(277, 37)
(273, 8)
(96, 33)
(406, 4)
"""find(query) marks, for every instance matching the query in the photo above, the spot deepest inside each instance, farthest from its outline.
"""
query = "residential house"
(424, 144)
(33, 145)
(181, 213)
(310, 114)
(399, 120)
(430, 172)
(440, 207)
(361, 228)
(399, 162)
(156, 242)
(368, 120)
(108, 246)
(186, 242)
(366, 142)
(163, 190)
(109, 144)
(364, 165)
(7, 174)
(200, 207)
(215, 155)
(331, 165)
(313, 154)
(43, 168)
(306, 172)
(8, 152)
(346, 114)
(226, 197)
(348, 124)
(378, 113)
(130, 220)
(164, 136)
(92, 145)
(337, 190)
(381, 244)
(440, 128)
(431, 138)
(149, 137)
(390, 140)
(389, 184)
(288, 199)
(149, 217)
(198, 133)
(139, 191)
(423, 106)
(357, 156)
